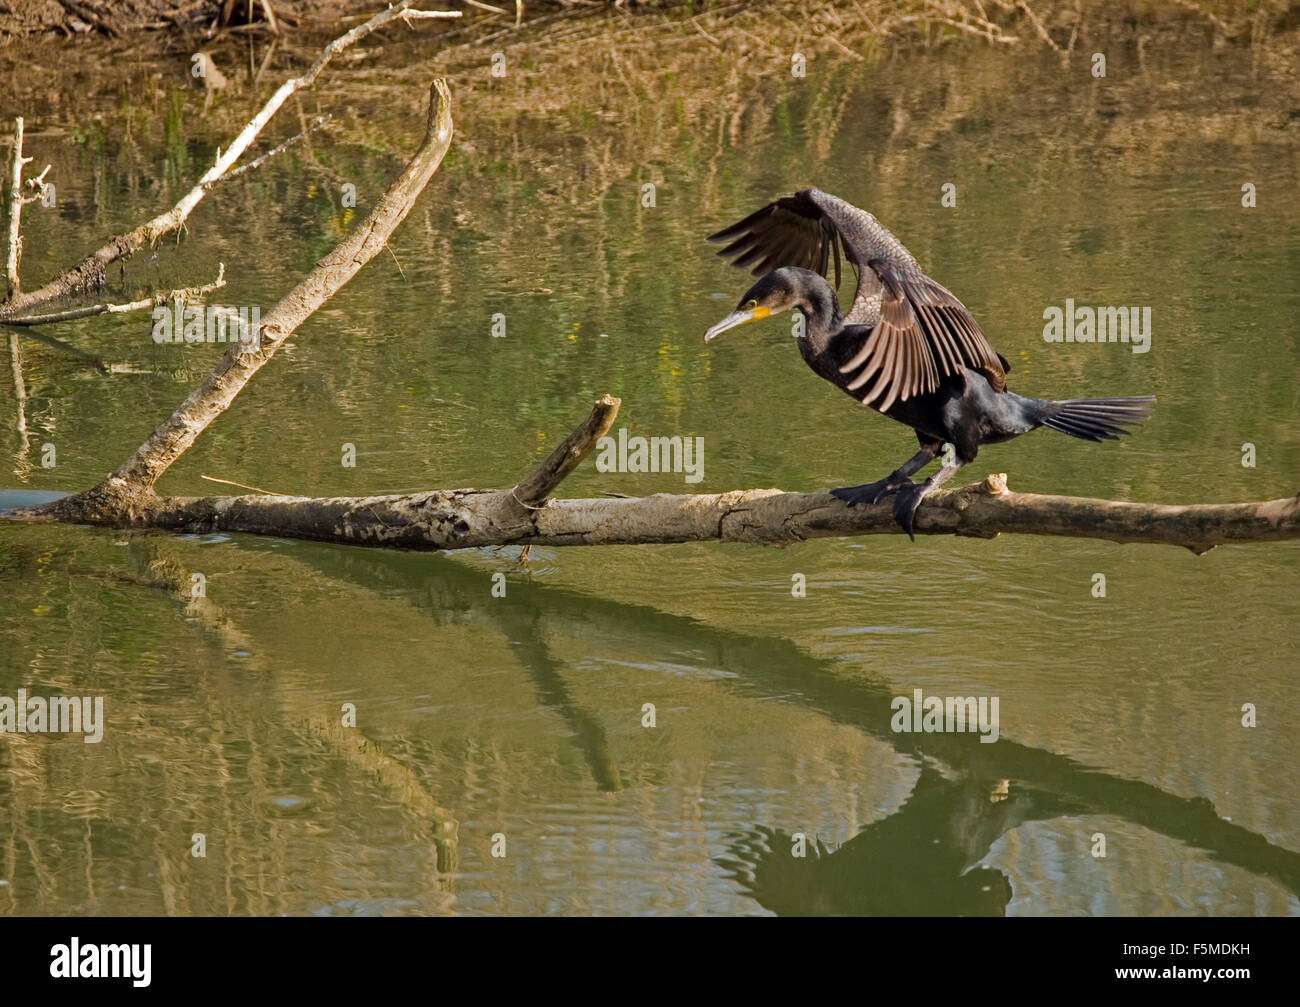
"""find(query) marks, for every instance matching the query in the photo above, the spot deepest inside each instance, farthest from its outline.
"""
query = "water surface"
(521, 717)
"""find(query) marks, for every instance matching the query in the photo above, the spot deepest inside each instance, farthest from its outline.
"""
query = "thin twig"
(185, 294)
(1038, 25)
(318, 123)
(242, 486)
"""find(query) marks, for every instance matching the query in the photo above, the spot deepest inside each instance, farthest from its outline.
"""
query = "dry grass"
(1057, 24)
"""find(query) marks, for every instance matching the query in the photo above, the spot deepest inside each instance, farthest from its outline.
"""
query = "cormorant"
(907, 348)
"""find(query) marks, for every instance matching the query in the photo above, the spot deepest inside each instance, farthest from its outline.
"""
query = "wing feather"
(916, 331)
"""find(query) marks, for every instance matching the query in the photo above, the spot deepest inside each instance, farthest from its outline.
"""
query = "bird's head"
(778, 291)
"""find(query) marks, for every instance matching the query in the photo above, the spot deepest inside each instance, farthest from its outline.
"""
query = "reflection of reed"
(22, 787)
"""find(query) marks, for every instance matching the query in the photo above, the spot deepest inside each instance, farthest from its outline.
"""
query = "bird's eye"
(751, 305)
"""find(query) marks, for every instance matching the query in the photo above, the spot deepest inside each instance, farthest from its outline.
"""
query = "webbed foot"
(870, 493)
(905, 504)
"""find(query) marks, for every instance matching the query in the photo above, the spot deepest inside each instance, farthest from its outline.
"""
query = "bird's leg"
(909, 497)
(870, 493)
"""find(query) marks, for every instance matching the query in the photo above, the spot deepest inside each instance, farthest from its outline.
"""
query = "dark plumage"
(907, 347)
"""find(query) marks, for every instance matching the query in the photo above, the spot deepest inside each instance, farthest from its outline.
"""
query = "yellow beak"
(737, 318)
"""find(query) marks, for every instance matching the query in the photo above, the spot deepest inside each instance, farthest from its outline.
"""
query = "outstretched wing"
(793, 231)
(921, 333)
(917, 331)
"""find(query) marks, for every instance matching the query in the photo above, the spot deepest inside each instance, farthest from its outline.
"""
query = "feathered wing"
(923, 333)
(917, 330)
(792, 231)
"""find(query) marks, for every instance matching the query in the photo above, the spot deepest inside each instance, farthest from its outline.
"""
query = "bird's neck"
(821, 314)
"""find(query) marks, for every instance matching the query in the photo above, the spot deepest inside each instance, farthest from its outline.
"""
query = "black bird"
(907, 348)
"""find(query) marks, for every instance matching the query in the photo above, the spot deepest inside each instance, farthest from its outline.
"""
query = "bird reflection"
(923, 860)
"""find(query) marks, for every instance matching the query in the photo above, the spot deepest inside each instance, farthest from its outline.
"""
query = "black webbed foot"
(905, 504)
(870, 493)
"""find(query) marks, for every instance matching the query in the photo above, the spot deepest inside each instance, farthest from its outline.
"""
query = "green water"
(483, 720)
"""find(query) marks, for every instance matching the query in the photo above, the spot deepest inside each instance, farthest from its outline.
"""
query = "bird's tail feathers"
(1098, 419)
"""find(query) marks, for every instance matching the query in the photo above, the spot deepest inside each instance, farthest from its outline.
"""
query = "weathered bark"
(459, 519)
(542, 481)
(469, 518)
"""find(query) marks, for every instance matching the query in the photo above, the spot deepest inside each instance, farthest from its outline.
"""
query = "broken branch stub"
(534, 488)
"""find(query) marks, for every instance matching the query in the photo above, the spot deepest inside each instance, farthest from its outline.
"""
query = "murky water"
(515, 725)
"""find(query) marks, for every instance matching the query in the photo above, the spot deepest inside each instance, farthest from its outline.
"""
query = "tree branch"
(318, 122)
(186, 295)
(542, 481)
(87, 274)
(473, 518)
(136, 477)
(14, 245)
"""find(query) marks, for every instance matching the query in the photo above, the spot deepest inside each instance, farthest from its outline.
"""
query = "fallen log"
(473, 518)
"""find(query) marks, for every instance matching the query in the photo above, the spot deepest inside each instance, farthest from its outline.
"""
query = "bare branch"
(87, 273)
(460, 519)
(317, 123)
(38, 185)
(244, 359)
(184, 294)
(473, 518)
(542, 481)
(15, 243)
(1038, 25)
